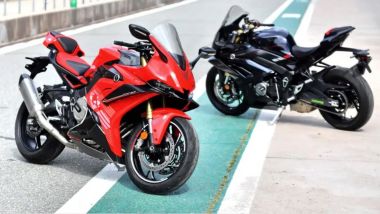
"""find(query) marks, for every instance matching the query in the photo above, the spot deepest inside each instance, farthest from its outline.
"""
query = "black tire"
(49, 150)
(365, 98)
(180, 176)
(235, 111)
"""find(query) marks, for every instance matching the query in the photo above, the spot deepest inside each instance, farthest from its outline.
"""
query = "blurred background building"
(25, 19)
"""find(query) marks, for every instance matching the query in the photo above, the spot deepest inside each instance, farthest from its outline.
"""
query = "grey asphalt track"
(30, 188)
(311, 167)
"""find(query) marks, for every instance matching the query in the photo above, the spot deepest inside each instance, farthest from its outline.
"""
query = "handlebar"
(125, 44)
(256, 23)
(266, 25)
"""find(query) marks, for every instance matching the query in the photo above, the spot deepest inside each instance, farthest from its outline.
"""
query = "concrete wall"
(28, 27)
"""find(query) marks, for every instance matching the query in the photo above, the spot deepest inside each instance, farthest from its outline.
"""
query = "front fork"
(149, 117)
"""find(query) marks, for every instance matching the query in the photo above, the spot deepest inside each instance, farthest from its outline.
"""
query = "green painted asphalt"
(292, 24)
(222, 141)
(220, 137)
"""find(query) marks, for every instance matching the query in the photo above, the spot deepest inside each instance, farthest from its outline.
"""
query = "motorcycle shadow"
(69, 160)
(209, 110)
(304, 120)
(126, 182)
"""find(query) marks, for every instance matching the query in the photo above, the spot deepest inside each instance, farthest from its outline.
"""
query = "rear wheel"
(33, 142)
(170, 165)
(356, 100)
(224, 93)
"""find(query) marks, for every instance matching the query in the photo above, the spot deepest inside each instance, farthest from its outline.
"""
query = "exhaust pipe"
(35, 108)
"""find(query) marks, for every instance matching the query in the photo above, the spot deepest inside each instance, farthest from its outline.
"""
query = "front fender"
(161, 120)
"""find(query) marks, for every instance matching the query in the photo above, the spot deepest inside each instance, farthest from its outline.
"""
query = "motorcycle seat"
(74, 64)
(69, 55)
(303, 52)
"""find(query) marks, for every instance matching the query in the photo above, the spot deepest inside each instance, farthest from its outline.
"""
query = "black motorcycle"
(264, 68)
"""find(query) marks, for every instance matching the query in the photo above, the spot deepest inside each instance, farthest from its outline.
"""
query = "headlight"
(160, 86)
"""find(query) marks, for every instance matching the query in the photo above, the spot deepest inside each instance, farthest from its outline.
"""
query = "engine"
(79, 109)
(261, 88)
(266, 92)
(71, 111)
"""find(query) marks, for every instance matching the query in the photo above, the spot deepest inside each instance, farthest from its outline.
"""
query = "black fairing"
(229, 24)
(89, 129)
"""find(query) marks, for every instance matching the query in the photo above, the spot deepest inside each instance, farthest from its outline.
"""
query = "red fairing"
(161, 120)
(110, 115)
(169, 73)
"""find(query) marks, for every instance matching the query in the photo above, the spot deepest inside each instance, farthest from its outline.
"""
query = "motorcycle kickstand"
(119, 167)
(277, 116)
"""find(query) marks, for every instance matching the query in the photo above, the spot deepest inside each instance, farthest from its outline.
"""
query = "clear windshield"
(167, 35)
(234, 14)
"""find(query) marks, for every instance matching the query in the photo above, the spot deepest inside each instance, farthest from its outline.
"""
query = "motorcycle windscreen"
(235, 13)
(167, 36)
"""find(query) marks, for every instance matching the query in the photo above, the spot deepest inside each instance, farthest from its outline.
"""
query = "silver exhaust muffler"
(35, 107)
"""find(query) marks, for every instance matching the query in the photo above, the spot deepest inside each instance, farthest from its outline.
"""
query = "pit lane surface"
(312, 167)
(45, 188)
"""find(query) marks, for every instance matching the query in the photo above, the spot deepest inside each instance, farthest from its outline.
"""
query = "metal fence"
(24, 7)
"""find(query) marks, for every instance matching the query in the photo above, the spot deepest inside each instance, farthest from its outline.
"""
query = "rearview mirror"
(139, 32)
(206, 52)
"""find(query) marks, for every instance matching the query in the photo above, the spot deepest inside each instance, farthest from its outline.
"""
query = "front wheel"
(172, 162)
(224, 93)
(357, 99)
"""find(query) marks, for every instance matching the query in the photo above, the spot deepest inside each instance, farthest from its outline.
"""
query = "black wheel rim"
(349, 101)
(228, 93)
(159, 171)
(32, 142)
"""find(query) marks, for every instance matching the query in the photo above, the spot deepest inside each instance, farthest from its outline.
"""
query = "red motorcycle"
(127, 108)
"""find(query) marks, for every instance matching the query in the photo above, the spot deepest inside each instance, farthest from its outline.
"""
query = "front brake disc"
(168, 158)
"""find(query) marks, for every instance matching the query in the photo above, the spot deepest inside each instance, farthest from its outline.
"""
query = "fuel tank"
(107, 54)
(276, 40)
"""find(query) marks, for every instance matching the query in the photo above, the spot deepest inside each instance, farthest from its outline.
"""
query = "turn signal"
(144, 135)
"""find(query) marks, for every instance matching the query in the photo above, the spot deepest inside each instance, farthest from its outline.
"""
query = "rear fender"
(161, 120)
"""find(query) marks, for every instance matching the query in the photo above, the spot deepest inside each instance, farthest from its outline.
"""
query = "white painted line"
(200, 87)
(291, 15)
(90, 193)
(305, 22)
(278, 11)
(22, 45)
(241, 191)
